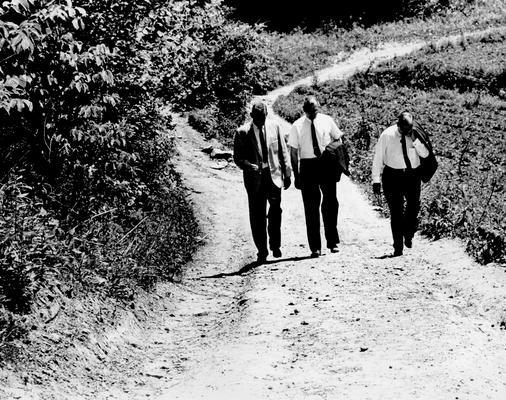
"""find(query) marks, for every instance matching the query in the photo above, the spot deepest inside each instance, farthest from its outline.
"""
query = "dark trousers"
(258, 196)
(402, 192)
(316, 190)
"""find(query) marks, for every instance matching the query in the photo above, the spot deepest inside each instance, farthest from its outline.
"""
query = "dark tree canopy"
(288, 14)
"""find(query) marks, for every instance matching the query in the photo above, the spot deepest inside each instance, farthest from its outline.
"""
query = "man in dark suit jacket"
(261, 152)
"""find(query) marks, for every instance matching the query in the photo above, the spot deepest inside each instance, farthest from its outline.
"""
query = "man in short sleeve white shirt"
(308, 138)
(396, 162)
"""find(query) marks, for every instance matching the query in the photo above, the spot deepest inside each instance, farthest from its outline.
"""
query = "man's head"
(259, 113)
(310, 107)
(405, 123)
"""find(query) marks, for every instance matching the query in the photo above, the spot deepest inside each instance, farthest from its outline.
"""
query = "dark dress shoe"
(397, 253)
(276, 253)
(408, 242)
(334, 249)
(261, 259)
(315, 254)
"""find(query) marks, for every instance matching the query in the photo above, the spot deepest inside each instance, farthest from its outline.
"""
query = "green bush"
(223, 65)
(88, 199)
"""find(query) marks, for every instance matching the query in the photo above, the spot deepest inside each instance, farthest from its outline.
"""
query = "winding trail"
(349, 325)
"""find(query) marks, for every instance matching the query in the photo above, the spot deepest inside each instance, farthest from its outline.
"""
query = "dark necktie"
(263, 145)
(316, 147)
(405, 152)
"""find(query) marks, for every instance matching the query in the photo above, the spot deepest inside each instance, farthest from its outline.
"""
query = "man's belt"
(400, 169)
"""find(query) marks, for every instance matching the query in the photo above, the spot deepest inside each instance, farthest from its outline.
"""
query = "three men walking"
(261, 152)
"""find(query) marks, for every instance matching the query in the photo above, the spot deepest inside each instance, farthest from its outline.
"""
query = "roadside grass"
(297, 54)
(471, 64)
(467, 197)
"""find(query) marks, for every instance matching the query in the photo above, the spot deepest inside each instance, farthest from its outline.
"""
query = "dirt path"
(348, 325)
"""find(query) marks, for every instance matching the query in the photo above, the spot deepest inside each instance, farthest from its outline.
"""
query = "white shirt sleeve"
(293, 137)
(379, 159)
(420, 149)
(335, 132)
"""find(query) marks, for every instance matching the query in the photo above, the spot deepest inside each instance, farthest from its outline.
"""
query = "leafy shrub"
(88, 200)
(489, 245)
(223, 65)
(204, 121)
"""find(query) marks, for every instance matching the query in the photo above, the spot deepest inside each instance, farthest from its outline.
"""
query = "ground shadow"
(251, 266)
(384, 256)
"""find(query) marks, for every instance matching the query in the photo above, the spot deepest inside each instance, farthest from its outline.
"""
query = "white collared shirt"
(257, 137)
(389, 152)
(300, 134)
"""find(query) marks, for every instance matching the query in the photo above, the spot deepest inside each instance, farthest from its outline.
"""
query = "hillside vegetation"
(297, 13)
(306, 39)
(287, 46)
(459, 95)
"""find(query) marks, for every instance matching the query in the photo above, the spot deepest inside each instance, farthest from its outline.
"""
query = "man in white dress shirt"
(308, 138)
(396, 162)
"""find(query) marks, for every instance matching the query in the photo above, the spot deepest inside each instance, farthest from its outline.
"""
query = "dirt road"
(350, 325)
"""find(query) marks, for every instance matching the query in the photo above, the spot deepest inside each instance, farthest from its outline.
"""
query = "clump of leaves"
(85, 182)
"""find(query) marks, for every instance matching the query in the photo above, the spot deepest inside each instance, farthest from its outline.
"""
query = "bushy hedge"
(88, 199)
(224, 65)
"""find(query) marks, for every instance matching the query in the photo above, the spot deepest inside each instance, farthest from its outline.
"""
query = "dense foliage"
(220, 78)
(88, 201)
(467, 196)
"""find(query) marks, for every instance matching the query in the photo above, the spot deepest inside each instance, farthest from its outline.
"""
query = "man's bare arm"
(294, 158)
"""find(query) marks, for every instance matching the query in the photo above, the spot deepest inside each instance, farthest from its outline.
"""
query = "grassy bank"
(299, 53)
